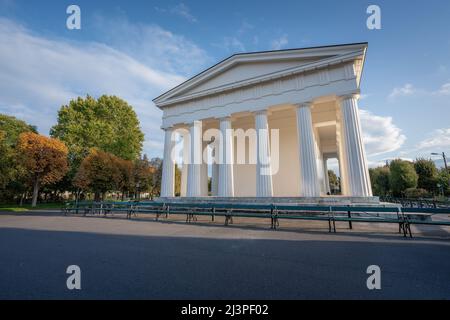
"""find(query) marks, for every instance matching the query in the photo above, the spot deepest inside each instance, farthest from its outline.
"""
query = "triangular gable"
(252, 66)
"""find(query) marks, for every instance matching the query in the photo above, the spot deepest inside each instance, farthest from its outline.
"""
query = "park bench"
(274, 212)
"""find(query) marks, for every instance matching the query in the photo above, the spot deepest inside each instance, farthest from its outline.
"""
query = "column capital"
(355, 96)
(266, 112)
(165, 129)
(226, 118)
(192, 123)
(305, 104)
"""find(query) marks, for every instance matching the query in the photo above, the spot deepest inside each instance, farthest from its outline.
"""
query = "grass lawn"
(27, 207)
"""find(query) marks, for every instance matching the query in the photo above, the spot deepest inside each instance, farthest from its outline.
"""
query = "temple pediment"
(242, 70)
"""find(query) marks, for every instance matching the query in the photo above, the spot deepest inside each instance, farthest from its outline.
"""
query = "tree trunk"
(97, 197)
(35, 192)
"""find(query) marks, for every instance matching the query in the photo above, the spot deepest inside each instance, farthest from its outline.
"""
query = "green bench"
(274, 212)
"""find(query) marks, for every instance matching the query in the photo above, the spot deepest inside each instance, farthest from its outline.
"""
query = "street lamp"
(443, 156)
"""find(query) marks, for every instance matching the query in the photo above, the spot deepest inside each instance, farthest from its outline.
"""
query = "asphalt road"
(122, 259)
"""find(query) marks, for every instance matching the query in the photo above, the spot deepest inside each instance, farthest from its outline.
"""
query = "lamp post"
(443, 156)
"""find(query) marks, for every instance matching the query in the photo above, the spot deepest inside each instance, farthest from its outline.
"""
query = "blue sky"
(139, 49)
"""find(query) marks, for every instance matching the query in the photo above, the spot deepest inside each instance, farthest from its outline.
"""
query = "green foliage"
(12, 173)
(5, 161)
(12, 128)
(443, 179)
(156, 164)
(335, 184)
(427, 174)
(108, 124)
(416, 193)
(403, 176)
(379, 178)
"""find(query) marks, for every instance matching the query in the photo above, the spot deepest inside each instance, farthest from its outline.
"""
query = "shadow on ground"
(33, 266)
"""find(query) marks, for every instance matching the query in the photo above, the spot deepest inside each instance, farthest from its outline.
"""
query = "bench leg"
(350, 225)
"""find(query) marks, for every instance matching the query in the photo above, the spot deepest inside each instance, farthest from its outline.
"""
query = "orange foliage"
(99, 172)
(45, 158)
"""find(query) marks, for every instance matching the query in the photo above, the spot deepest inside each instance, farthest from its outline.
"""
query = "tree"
(403, 176)
(108, 124)
(156, 164)
(427, 174)
(44, 158)
(143, 175)
(6, 161)
(379, 178)
(443, 179)
(99, 172)
(11, 171)
(126, 176)
(12, 128)
(334, 181)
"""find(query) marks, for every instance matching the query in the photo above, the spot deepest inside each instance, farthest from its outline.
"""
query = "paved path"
(172, 260)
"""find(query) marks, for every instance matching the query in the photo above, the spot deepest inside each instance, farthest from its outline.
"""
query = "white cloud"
(381, 135)
(444, 90)
(38, 75)
(280, 43)
(152, 45)
(180, 10)
(407, 90)
(437, 140)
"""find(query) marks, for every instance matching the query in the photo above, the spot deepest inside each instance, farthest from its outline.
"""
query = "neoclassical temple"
(308, 99)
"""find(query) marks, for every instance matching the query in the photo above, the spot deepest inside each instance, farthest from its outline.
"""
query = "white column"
(215, 168)
(354, 152)
(341, 155)
(185, 167)
(204, 171)
(194, 169)
(226, 181)
(264, 186)
(309, 181)
(168, 170)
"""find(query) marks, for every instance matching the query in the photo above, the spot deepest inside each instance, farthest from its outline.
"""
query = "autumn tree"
(143, 175)
(45, 160)
(99, 172)
(126, 181)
